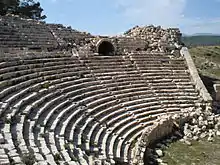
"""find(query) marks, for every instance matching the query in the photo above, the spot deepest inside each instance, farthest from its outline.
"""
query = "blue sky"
(110, 17)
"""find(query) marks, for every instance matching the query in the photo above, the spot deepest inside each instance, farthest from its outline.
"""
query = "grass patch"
(199, 153)
(207, 61)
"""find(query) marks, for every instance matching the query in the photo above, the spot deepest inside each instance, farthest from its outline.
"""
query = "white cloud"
(168, 13)
(56, 1)
(164, 12)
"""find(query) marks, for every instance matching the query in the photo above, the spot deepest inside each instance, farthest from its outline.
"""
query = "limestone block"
(217, 91)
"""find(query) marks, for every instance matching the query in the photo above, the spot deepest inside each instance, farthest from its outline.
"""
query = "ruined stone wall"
(195, 76)
(148, 38)
(156, 38)
(129, 44)
(160, 129)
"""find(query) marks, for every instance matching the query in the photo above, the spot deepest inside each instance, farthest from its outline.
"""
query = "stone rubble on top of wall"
(157, 37)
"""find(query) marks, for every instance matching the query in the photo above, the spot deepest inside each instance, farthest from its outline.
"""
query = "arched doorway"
(105, 48)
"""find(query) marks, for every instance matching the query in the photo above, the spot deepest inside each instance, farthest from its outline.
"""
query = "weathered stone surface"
(159, 152)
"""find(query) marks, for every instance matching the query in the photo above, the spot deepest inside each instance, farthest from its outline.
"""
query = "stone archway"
(105, 47)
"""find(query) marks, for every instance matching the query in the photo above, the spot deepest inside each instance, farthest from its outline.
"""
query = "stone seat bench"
(20, 79)
(145, 59)
(122, 76)
(124, 140)
(54, 127)
(17, 137)
(41, 111)
(105, 114)
(156, 65)
(31, 88)
(104, 67)
(160, 62)
(4, 159)
(131, 80)
(100, 62)
(35, 57)
(156, 58)
(112, 140)
(167, 72)
(116, 122)
(176, 93)
(107, 64)
(52, 147)
(45, 153)
(151, 109)
(178, 78)
(95, 97)
(48, 75)
(127, 145)
(143, 106)
(84, 121)
(36, 87)
(160, 59)
(114, 70)
(8, 101)
(129, 93)
(114, 73)
(36, 67)
(138, 101)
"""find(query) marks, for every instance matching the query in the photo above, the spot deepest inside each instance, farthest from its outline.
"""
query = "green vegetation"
(207, 60)
(46, 85)
(199, 153)
(28, 159)
(57, 158)
(24, 8)
(201, 40)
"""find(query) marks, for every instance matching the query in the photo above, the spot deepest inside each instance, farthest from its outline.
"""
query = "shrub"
(28, 159)
(57, 158)
(46, 85)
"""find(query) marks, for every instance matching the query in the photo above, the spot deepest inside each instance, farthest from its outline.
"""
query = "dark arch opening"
(106, 48)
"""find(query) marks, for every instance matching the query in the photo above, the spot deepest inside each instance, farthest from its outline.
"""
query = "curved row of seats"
(18, 32)
(64, 109)
(66, 34)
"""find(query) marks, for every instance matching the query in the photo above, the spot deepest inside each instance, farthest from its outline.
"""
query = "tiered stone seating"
(4, 160)
(18, 32)
(77, 110)
(122, 121)
(168, 77)
(67, 35)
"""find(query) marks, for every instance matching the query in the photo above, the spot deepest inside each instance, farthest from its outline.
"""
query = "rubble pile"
(158, 39)
(198, 124)
(202, 124)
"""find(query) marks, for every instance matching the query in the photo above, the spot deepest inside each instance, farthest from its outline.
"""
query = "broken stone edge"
(195, 76)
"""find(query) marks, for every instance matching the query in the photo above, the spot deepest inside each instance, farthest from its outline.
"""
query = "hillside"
(201, 40)
(207, 60)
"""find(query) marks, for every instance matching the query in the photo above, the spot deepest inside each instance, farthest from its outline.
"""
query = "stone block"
(217, 91)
